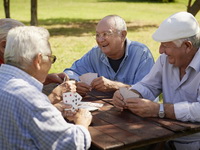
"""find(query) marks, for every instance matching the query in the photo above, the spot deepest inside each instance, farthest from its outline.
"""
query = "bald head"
(116, 22)
(7, 24)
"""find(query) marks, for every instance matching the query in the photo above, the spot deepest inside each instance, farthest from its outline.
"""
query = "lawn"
(71, 23)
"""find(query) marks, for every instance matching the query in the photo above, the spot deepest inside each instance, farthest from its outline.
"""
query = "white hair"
(195, 40)
(24, 43)
(6, 24)
(120, 24)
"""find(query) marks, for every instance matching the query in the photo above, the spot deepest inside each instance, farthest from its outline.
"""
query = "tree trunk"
(194, 8)
(34, 20)
(7, 8)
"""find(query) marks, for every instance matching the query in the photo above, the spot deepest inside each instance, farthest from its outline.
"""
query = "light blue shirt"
(136, 64)
(184, 94)
(29, 121)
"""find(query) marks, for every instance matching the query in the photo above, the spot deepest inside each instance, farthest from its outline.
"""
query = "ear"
(2, 46)
(189, 46)
(37, 61)
(123, 34)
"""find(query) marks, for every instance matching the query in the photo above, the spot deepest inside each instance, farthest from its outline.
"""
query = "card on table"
(90, 106)
(88, 77)
(73, 99)
(126, 93)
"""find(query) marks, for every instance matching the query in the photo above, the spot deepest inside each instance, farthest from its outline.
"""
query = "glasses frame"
(105, 35)
(52, 58)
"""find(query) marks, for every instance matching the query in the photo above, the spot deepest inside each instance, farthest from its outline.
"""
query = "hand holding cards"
(126, 93)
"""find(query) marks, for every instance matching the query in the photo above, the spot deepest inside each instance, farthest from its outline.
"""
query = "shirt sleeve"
(49, 129)
(145, 64)
(150, 86)
(185, 111)
(81, 66)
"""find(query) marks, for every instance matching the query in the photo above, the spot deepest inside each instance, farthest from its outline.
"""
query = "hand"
(82, 88)
(118, 100)
(103, 84)
(82, 117)
(55, 78)
(142, 107)
(56, 95)
(61, 106)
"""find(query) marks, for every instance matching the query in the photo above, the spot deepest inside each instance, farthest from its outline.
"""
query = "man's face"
(109, 39)
(176, 55)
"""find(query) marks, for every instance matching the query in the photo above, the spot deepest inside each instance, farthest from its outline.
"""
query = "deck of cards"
(126, 93)
(73, 99)
(88, 77)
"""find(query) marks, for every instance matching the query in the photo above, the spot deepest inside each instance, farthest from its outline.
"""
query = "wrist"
(161, 113)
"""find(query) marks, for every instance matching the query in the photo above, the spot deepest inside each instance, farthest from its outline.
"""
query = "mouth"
(104, 45)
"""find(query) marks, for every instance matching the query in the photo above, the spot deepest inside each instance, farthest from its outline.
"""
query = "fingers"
(83, 88)
(68, 86)
(118, 100)
(83, 117)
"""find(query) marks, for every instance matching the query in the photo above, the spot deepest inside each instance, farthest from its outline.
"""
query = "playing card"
(88, 77)
(90, 106)
(126, 93)
(72, 99)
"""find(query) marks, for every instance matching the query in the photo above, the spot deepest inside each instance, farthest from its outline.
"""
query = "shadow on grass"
(138, 1)
(79, 27)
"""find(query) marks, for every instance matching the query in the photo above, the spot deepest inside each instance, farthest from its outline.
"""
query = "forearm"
(117, 85)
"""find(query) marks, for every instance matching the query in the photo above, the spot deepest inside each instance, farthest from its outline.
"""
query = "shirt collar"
(195, 63)
(18, 73)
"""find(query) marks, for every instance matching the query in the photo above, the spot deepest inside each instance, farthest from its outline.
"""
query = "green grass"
(71, 23)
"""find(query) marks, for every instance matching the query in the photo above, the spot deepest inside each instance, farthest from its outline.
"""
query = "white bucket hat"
(178, 26)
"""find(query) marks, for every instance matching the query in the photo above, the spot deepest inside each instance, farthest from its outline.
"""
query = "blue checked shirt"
(29, 121)
(137, 62)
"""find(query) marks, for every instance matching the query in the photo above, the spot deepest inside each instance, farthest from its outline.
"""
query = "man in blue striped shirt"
(28, 119)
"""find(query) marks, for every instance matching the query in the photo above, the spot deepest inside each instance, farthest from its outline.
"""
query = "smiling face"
(109, 39)
(178, 56)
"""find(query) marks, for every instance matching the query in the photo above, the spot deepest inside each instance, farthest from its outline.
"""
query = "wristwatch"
(161, 113)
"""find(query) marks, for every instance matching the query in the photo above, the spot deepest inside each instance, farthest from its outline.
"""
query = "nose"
(100, 39)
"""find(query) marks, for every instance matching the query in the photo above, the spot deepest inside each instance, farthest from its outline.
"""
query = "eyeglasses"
(104, 35)
(52, 58)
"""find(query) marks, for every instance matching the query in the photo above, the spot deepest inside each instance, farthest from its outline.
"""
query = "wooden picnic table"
(113, 129)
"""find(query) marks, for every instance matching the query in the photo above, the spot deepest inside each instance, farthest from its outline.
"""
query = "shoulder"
(138, 46)
(94, 52)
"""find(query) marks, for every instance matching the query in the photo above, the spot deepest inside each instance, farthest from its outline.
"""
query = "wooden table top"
(113, 129)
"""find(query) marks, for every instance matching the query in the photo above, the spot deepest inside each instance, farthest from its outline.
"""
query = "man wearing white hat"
(176, 75)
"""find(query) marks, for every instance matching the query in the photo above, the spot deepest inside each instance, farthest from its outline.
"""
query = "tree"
(7, 8)
(34, 20)
(194, 8)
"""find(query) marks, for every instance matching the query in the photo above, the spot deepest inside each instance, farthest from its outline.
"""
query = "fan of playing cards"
(88, 77)
(74, 99)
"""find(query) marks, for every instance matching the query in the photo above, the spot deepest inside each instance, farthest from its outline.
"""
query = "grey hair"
(24, 43)
(120, 24)
(5, 25)
(195, 39)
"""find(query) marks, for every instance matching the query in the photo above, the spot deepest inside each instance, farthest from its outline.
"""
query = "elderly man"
(28, 119)
(54, 95)
(7, 24)
(176, 74)
(118, 61)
